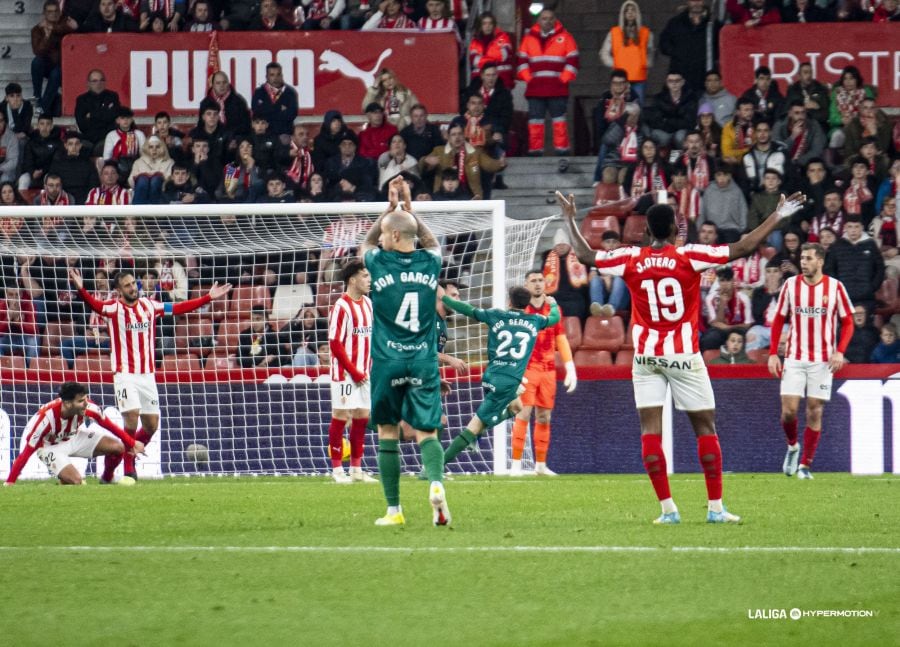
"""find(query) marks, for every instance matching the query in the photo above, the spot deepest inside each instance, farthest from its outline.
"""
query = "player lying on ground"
(57, 433)
(664, 282)
(511, 337)
(812, 303)
(131, 320)
(350, 339)
(406, 382)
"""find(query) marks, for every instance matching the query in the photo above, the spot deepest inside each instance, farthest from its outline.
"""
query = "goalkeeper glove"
(789, 208)
(571, 380)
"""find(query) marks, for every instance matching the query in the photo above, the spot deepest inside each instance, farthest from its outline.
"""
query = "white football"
(197, 453)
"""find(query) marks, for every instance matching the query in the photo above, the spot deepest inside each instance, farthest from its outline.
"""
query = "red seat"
(218, 309)
(624, 357)
(759, 355)
(603, 334)
(13, 362)
(54, 333)
(887, 297)
(573, 331)
(219, 361)
(593, 226)
(327, 294)
(634, 230)
(46, 365)
(230, 335)
(179, 364)
(244, 297)
(92, 363)
(194, 327)
(593, 358)
(629, 339)
(710, 355)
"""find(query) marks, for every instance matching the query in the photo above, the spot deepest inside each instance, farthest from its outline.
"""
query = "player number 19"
(665, 299)
(408, 314)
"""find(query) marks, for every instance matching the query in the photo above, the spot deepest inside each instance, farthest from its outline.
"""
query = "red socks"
(519, 431)
(357, 440)
(810, 442)
(110, 463)
(655, 464)
(541, 441)
(710, 454)
(790, 431)
(336, 441)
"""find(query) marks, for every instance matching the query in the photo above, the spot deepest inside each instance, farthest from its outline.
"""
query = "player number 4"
(665, 299)
(408, 314)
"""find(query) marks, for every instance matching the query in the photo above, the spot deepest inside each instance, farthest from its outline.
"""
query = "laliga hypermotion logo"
(331, 61)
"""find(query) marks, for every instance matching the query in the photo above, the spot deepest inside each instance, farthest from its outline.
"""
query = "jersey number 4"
(664, 298)
(408, 314)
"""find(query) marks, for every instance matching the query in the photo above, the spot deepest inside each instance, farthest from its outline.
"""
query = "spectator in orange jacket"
(629, 46)
(490, 44)
(548, 62)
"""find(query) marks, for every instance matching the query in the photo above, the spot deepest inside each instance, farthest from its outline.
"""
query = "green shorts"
(497, 396)
(409, 391)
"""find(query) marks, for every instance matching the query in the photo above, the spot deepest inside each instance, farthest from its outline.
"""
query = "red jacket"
(548, 64)
(496, 50)
(28, 324)
(374, 141)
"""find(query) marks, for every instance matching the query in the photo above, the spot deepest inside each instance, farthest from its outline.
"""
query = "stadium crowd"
(723, 160)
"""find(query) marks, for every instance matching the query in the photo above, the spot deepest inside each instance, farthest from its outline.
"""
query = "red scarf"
(848, 100)
(319, 9)
(130, 8)
(474, 134)
(647, 178)
(273, 92)
(575, 269)
(688, 201)
(461, 166)
(628, 147)
(854, 197)
(162, 6)
(127, 146)
(221, 101)
(615, 107)
(400, 22)
(743, 134)
(486, 95)
(166, 277)
(888, 231)
(302, 168)
(747, 271)
(698, 176)
(234, 173)
(61, 200)
(800, 144)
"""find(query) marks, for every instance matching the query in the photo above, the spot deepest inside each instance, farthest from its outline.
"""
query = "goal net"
(282, 258)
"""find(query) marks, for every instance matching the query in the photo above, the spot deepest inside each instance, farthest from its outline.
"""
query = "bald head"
(399, 230)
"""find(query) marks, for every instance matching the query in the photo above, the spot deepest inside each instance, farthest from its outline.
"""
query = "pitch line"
(855, 550)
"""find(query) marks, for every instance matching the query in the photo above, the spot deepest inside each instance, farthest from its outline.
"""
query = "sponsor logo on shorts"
(412, 381)
(663, 362)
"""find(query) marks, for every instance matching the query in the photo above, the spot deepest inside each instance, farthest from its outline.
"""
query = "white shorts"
(136, 392)
(81, 445)
(685, 373)
(349, 395)
(810, 379)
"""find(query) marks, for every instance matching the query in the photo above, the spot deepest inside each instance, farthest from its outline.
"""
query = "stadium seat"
(179, 364)
(573, 331)
(189, 332)
(710, 355)
(593, 358)
(48, 364)
(603, 334)
(229, 336)
(633, 232)
(92, 363)
(13, 362)
(245, 297)
(629, 339)
(624, 357)
(759, 355)
(328, 294)
(887, 298)
(593, 226)
(290, 299)
(220, 361)
(54, 333)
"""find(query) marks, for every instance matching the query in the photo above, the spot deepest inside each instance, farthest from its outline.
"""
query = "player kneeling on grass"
(57, 433)
(664, 282)
(511, 337)
(350, 340)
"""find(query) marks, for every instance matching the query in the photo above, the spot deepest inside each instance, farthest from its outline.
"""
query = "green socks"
(432, 458)
(389, 469)
(459, 443)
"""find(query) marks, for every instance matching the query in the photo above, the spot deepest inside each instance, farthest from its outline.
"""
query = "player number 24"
(665, 299)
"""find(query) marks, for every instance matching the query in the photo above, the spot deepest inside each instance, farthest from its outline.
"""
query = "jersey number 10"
(664, 298)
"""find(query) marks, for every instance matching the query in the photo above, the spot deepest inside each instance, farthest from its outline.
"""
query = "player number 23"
(665, 299)
(506, 341)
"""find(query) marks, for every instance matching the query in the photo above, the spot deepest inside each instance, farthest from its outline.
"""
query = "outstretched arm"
(786, 208)
(461, 307)
(582, 250)
(94, 303)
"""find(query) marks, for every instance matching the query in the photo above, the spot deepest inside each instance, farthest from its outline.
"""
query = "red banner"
(329, 69)
(829, 47)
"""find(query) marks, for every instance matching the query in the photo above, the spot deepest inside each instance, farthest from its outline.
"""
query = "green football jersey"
(404, 296)
(511, 338)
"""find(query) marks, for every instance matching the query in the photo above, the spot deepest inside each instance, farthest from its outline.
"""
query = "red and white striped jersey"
(115, 196)
(350, 327)
(440, 25)
(665, 292)
(132, 334)
(812, 312)
(48, 427)
(344, 234)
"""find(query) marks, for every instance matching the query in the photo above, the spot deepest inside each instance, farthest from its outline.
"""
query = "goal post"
(270, 420)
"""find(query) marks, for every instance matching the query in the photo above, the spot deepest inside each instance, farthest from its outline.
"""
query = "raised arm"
(93, 302)
(582, 250)
(182, 307)
(786, 208)
(461, 307)
(371, 241)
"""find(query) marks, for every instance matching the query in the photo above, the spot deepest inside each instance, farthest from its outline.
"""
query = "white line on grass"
(891, 550)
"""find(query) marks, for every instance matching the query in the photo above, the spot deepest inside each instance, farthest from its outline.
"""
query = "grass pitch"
(564, 561)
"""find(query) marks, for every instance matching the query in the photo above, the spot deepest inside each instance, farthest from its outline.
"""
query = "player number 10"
(664, 298)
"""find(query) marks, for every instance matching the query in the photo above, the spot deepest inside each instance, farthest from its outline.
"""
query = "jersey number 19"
(664, 298)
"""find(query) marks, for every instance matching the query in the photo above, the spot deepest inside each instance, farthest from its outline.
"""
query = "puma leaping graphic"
(331, 61)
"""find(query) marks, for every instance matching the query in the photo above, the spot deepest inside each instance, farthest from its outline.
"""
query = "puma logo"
(331, 61)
